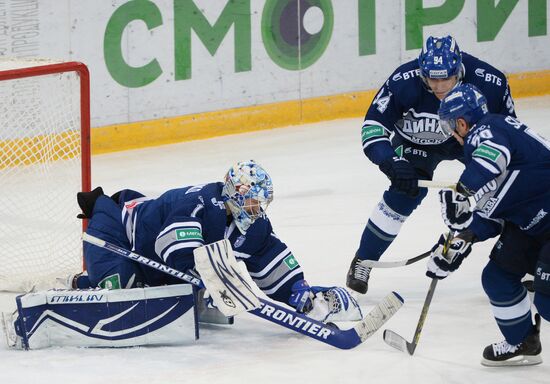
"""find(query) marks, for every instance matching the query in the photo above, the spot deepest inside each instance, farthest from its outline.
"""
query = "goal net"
(44, 162)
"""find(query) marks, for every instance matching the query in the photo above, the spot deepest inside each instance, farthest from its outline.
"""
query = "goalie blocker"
(104, 318)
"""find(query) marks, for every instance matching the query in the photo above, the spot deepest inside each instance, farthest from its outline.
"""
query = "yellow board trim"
(528, 84)
(199, 126)
(247, 119)
(39, 149)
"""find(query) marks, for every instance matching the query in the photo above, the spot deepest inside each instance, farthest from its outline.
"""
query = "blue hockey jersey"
(508, 165)
(406, 107)
(171, 226)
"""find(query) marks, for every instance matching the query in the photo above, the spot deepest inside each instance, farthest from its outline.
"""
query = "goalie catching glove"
(455, 210)
(443, 261)
(326, 304)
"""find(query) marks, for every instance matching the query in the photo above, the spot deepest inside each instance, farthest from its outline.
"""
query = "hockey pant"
(105, 269)
(513, 256)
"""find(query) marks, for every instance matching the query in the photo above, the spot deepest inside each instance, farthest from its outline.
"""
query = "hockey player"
(169, 228)
(402, 136)
(508, 173)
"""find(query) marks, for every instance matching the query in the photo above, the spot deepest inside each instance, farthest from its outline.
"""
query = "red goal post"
(44, 162)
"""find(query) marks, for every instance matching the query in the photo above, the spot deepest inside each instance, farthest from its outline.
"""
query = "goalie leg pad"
(106, 318)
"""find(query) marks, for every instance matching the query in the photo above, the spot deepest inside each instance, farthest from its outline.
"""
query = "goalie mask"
(247, 192)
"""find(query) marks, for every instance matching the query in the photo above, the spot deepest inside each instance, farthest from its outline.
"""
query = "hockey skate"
(71, 281)
(358, 276)
(208, 313)
(526, 353)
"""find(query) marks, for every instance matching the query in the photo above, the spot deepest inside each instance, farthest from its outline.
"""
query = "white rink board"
(78, 30)
(324, 190)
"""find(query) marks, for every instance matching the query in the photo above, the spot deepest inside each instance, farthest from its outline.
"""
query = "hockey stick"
(394, 264)
(297, 322)
(396, 341)
(393, 339)
(436, 184)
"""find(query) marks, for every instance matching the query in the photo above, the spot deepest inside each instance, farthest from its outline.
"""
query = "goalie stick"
(398, 342)
(297, 322)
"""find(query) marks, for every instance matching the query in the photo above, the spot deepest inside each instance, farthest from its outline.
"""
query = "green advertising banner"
(157, 59)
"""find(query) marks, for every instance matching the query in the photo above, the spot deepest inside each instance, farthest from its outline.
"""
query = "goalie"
(167, 229)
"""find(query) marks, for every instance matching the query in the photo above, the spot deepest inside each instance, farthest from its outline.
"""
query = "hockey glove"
(455, 209)
(440, 265)
(334, 304)
(301, 297)
(86, 201)
(401, 174)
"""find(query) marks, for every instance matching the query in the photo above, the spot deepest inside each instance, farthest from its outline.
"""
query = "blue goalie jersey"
(508, 165)
(171, 226)
(406, 107)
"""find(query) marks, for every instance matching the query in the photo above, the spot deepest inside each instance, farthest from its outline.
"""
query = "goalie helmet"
(440, 58)
(466, 102)
(247, 191)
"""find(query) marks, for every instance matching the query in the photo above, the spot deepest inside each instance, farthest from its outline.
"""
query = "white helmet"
(247, 191)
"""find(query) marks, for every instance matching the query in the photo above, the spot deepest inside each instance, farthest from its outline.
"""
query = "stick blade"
(381, 313)
(398, 342)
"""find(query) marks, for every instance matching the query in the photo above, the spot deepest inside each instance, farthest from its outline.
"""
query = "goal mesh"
(44, 162)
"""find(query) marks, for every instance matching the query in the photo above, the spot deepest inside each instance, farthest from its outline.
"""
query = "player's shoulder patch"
(482, 74)
(487, 152)
(405, 72)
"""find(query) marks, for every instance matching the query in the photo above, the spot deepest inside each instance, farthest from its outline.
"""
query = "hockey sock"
(509, 301)
(82, 282)
(385, 223)
(542, 302)
(541, 284)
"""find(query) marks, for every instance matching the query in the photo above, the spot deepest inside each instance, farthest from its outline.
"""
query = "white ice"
(325, 189)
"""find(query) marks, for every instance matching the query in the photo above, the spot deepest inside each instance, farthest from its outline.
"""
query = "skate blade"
(513, 362)
(213, 316)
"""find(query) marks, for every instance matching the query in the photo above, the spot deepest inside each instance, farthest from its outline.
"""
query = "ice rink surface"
(325, 190)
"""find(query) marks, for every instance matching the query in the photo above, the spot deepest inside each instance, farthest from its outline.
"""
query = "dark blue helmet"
(440, 58)
(466, 102)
